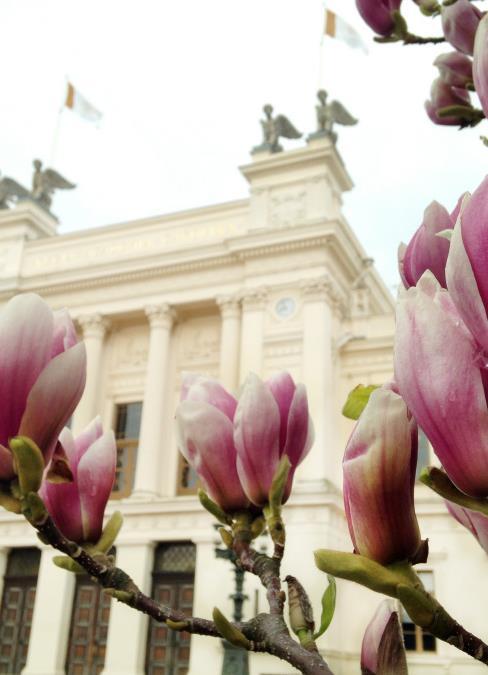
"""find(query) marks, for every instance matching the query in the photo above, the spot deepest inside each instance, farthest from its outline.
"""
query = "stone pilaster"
(317, 375)
(254, 302)
(127, 631)
(230, 311)
(147, 478)
(94, 328)
(51, 620)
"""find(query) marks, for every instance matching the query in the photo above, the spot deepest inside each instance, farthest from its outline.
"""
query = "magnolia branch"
(265, 632)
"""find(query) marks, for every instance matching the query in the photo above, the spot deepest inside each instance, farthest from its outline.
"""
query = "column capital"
(93, 325)
(230, 306)
(160, 316)
(254, 298)
(323, 288)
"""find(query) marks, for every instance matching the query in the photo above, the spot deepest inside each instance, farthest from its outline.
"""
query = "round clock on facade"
(285, 307)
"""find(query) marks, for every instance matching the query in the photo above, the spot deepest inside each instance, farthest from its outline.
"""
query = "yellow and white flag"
(336, 27)
(80, 105)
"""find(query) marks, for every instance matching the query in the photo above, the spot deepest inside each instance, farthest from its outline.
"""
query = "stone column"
(147, 478)
(206, 654)
(317, 375)
(4, 551)
(51, 620)
(252, 331)
(230, 339)
(127, 631)
(94, 328)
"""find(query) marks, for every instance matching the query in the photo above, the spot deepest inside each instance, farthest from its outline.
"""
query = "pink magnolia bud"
(378, 14)
(78, 507)
(382, 650)
(473, 521)
(480, 63)
(379, 474)
(42, 375)
(455, 69)
(426, 250)
(272, 420)
(459, 23)
(467, 266)
(205, 429)
(443, 95)
(438, 375)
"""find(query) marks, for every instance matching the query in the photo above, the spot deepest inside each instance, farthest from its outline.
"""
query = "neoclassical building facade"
(275, 281)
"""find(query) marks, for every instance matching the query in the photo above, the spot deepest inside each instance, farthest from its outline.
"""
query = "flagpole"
(57, 129)
(321, 47)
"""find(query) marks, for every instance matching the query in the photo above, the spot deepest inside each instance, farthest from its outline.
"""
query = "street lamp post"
(236, 660)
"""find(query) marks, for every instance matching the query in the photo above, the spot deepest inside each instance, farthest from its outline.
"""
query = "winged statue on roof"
(329, 114)
(10, 192)
(275, 128)
(44, 184)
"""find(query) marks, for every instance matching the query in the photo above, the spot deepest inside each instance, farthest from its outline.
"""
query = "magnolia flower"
(235, 446)
(459, 23)
(42, 375)
(271, 420)
(443, 95)
(480, 63)
(467, 265)
(378, 14)
(379, 474)
(473, 521)
(78, 507)
(438, 374)
(426, 250)
(455, 69)
(382, 650)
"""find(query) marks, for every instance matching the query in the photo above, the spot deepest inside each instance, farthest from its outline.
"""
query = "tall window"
(168, 652)
(19, 593)
(417, 639)
(127, 428)
(89, 628)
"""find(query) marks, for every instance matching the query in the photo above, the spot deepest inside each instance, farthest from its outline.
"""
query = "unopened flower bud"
(459, 23)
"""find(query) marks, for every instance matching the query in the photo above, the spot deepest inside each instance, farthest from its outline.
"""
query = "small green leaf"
(357, 400)
(228, 631)
(328, 606)
(29, 463)
(213, 508)
(110, 532)
(278, 485)
(401, 28)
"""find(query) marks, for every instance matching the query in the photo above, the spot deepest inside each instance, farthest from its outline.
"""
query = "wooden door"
(89, 627)
(19, 593)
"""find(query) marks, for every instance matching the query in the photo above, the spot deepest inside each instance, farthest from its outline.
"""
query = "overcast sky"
(181, 85)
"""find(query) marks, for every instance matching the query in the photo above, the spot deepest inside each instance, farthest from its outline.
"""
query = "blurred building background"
(275, 281)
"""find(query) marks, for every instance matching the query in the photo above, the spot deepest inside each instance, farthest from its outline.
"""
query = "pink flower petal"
(6, 464)
(200, 388)
(372, 636)
(378, 480)
(54, 397)
(463, 288)
(205, 438)
(96, 474)
(26, 329)
(438, 375)
(62, 500)
(64, 335)
(85, 439)
(283, 388)
(256, 437)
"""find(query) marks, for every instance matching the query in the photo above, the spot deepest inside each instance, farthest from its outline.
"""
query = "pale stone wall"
(273, 282)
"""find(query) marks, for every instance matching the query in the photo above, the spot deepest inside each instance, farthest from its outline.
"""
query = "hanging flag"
(79, 104)
(336, 27)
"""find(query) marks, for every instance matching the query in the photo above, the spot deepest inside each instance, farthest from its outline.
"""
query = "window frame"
(131, 445)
